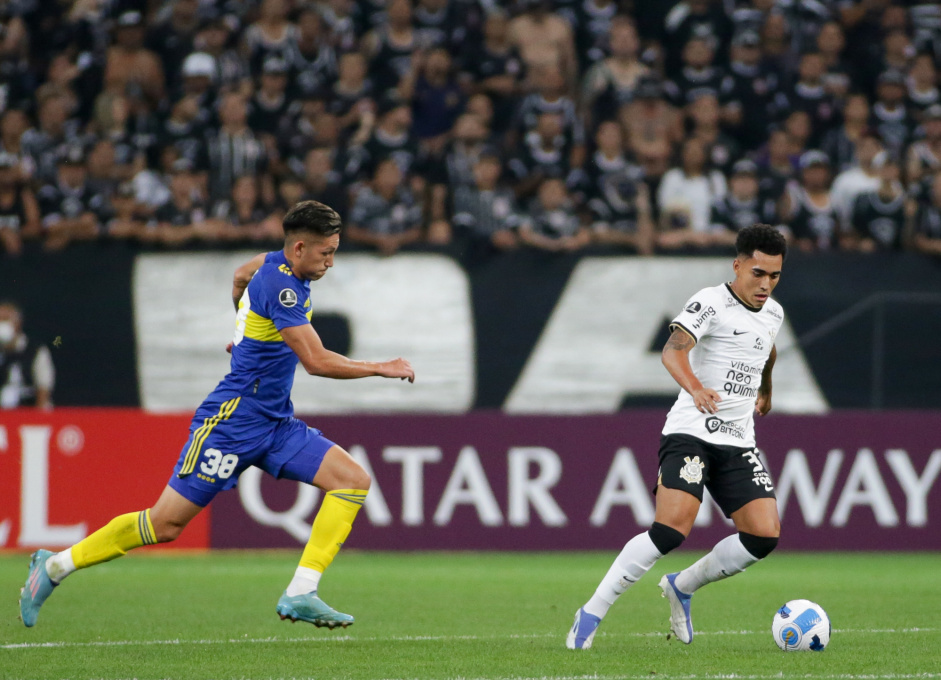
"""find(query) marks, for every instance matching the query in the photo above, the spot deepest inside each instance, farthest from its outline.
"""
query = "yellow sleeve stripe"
(259, 328)
(202, 432)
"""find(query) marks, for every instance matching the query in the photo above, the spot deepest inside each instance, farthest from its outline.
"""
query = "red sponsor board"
(65, 473)
(845, 481)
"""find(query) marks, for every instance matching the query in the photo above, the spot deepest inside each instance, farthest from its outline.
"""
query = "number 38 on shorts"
(216, 464)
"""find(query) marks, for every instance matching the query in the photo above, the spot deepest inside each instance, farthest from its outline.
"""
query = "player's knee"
(359, 479)
(759, 546)
(167, 531)
(665, 538)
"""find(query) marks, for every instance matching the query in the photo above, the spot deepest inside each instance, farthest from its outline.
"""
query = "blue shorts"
(226, 437)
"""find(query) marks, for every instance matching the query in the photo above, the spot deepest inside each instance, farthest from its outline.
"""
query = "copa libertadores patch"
(287, 298)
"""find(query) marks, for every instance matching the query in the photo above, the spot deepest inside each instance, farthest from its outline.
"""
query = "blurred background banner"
(526, 332)
(65, 473)
(848, 481)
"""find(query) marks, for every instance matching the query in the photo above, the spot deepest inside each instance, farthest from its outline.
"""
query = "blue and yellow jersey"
(262, 368)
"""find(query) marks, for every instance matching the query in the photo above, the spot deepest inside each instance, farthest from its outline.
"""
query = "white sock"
(305, 581)
(634, 560)
(60, 565)
(727, 558)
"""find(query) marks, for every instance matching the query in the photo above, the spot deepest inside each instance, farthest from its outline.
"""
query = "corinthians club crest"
(692, 471)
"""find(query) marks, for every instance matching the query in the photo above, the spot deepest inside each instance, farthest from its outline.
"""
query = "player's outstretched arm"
(675, 358)
(763, 402)
(318, 360)
(243, 275)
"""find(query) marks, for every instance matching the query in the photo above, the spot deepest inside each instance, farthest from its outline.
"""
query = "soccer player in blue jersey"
(248, 419)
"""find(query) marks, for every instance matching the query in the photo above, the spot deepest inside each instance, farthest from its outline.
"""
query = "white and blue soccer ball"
(801, 626)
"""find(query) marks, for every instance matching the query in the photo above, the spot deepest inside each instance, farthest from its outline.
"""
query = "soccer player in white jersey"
(721, 352)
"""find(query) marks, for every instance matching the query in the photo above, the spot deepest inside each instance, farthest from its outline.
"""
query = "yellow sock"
(114, 539)
(331, 527)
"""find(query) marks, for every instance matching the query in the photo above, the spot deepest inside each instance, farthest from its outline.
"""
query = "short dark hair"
(312, 217)
(761, 237)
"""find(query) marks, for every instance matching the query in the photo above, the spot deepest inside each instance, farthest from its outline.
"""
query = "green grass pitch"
(466, 615)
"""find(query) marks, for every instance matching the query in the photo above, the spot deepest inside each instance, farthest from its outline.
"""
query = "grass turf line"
(467, 615)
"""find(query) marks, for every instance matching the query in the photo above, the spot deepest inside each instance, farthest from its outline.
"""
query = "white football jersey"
(733, 342)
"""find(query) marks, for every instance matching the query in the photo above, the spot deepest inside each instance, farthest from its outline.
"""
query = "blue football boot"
(38, 587)
(309, 607)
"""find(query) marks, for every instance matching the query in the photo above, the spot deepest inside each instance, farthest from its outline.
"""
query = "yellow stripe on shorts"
(202, 432)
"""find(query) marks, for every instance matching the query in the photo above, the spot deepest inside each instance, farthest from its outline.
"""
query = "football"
(801, 626)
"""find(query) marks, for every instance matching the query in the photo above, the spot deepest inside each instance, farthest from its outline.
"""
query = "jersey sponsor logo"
(287, 298)
(693, 307)
(692, 471)
(714, 424)
(709, 311)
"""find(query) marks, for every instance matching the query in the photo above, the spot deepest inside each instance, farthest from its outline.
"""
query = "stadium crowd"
(646, 125)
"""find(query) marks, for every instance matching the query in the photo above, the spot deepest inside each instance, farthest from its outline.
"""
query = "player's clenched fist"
(398, 368)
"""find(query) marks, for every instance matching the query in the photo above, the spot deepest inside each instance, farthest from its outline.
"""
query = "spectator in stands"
(496, 70)
(351, 96)
(184, 217)
(103, 176)
(235, 150)
(485, 211)
(390, 48)
(862, 178)
(13, 124)
(839, 143)
(551, 98)
(545, 41)
(27, 375)
(543, 154)
(130, 68)
(749, 92)
(743, 206)
(722, 150)
(691, 19)
(810, 95)
(922, 82)
(270, 103)
(890, 117)
(230, 69)
(552, 222)
(56, 128)
(322, 182)
(272, 35)
(610, 83)
(19, 213)
(173, 38)
(128, 219)
(809, 209)
(650, 122)
(311, 58)
(699, 75)
(437, 99)
(392, 138)
(831, 42)
(927, 237)
(685, 197)
(924, 156)
(385, 214)
(70, 210)
(616, 195)
(244, 217)
(879, 216)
